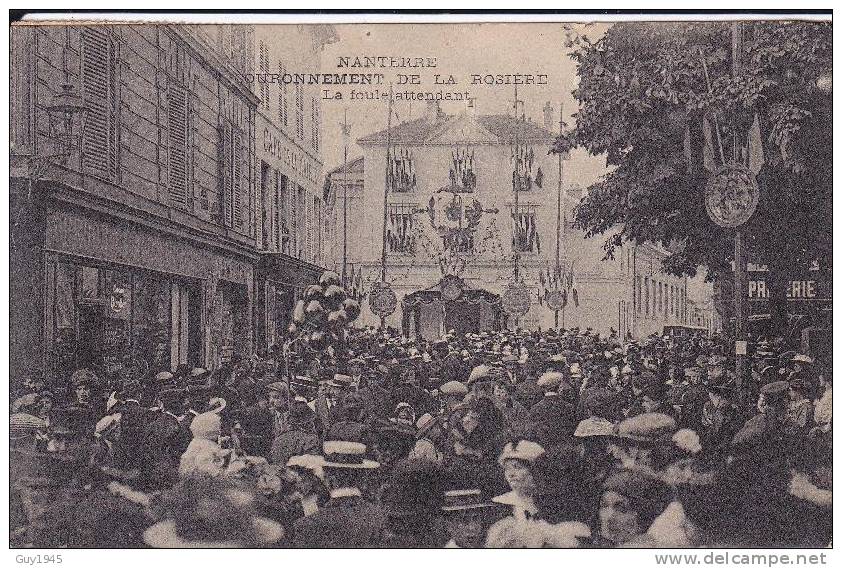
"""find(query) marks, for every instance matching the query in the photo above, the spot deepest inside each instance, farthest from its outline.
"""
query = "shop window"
(151, 332)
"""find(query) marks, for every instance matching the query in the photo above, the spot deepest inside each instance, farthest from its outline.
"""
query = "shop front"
(280, 281)
(127, 299)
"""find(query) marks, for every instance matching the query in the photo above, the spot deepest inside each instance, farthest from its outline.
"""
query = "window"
(301, 222)
(263, 79)
(317, 227)
(314, 116)
(299, 111)
(233, 175)
(639, 291)
(178, 129)
(462, 176)
(100, 92)
(399, 231)
(283, 108)
(522, 176)
(401, 174)
(660, 297)
(525, 236)
(287, 213)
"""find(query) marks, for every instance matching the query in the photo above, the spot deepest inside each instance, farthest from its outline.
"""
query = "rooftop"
(423, 130)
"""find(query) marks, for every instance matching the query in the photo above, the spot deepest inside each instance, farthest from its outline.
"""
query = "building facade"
(291, 202)
(139, 251)
(451, 220)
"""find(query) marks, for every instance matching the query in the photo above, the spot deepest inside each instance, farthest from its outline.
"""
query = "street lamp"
(66, 117)
(66, 122)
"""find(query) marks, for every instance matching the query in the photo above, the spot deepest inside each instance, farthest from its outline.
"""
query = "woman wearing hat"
(517, 462)
(631, 501)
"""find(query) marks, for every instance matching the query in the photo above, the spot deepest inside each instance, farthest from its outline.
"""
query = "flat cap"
(454, 388)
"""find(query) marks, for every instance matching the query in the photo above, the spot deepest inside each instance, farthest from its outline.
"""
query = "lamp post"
(66, 123)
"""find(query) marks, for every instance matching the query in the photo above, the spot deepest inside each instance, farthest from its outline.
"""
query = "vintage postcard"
(422, 283)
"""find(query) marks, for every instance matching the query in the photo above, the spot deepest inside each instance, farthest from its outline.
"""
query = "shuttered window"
(299, 111)
(283, 108)
(100, 82)
(233, 175)
(179, 143)
(239, 182)
(263, 70)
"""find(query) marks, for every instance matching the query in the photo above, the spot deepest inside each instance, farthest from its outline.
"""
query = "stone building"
(149, 245)
(452, 228)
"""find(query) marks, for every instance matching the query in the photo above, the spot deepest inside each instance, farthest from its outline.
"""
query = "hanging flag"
(575, 298)
(541, 279)
(755, 147)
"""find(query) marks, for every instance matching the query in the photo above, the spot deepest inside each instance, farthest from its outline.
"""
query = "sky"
(460, 50)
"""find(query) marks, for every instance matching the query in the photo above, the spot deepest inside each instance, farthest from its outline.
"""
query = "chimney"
(548, 116)
(433, 112)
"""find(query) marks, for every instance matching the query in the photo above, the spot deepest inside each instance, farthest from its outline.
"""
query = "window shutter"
(238, 174)
(225, 173)
(99, 90)
(277, 217)
(178, 128)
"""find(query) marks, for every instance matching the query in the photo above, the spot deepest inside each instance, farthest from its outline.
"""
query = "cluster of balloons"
(320, 318)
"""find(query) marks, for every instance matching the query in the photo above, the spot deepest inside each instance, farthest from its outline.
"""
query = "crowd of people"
(493, 439)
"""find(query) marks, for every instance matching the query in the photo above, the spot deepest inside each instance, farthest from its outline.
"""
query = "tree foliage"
(645, 92)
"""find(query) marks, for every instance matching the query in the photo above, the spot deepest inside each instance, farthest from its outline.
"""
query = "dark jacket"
(343, 522)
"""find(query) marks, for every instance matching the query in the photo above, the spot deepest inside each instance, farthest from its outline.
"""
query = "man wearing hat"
(452, 395)
(84, 382)
(347, 520)
(720, 418)
(300, 438)
(554, 415)
(279, 397)
(468, 516)
(166, 439)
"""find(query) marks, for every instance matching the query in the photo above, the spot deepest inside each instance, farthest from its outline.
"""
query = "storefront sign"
(516, 299)
(276, 145)
(382, 299)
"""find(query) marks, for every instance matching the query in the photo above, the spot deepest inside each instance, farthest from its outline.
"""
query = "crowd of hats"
(650, 420)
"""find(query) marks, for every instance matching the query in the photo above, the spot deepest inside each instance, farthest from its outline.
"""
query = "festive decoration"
(557, 287)
(320, 317)
(382, 299)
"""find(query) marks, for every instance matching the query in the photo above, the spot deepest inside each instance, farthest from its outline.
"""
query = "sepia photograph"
(417, 281)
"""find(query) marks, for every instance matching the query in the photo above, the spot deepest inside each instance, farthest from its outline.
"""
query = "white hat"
(801, 358)
(454, 388)
(163, 376)
(346, 455)
(523, 450)
(478, 373)
(550, 379)
(575, 369)
(308, 461)
(594, 426)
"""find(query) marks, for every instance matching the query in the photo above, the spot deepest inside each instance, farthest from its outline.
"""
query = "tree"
(662, 102)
